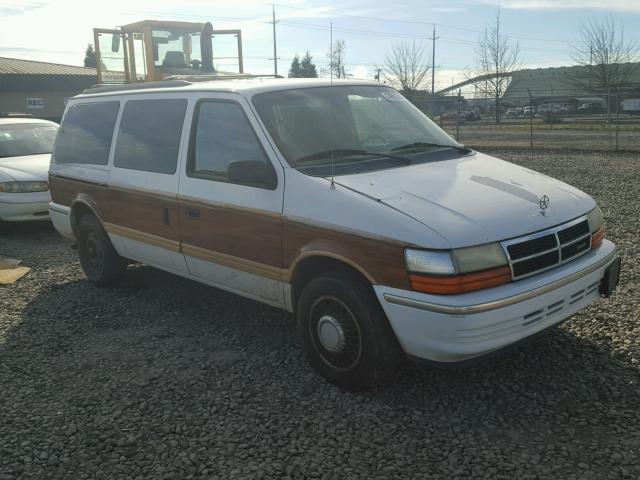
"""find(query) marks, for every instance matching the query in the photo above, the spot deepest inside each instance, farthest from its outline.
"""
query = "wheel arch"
(79, 207)
(313, 264)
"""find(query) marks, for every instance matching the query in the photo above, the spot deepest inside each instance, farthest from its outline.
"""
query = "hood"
(26, 168)
(473, 200)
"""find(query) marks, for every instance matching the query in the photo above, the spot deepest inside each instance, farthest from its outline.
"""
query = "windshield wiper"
(460, 148)
(346, 152)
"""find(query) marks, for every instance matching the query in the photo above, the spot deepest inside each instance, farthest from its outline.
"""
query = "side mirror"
(252, 172)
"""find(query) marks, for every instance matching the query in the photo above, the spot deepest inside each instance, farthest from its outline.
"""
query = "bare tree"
(497, 58)
(607, 58)
(336, 56)
(407, 67)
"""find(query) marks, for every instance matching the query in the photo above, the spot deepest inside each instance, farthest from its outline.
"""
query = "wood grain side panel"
(153, 240)
(257, 242)
(381, 261)
(247, 234)
(64, 191)
(145, 212)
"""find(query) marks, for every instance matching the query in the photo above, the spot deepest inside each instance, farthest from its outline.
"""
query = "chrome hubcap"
(331, 334)
(335, 334)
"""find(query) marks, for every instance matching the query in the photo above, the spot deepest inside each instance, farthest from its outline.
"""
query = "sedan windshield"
(355, 128)
(17, 140)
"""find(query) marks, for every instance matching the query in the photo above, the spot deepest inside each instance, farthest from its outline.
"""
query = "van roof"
(244, 85)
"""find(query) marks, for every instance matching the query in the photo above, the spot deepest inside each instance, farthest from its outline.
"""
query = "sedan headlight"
(23, 187)
(458, 271)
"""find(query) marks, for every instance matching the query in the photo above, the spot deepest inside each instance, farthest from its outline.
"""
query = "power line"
(418, 22)
(375, 33)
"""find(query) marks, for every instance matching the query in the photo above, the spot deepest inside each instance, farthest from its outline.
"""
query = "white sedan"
(25, 151)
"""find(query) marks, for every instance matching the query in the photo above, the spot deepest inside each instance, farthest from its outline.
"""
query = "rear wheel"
(101, 263)
(345, 333)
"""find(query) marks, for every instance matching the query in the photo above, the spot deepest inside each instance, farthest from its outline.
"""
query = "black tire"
(101, 263)
(345, 333)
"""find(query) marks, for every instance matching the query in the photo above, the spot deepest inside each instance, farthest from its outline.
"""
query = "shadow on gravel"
(13, 229)
(31, 241)
(163, 375)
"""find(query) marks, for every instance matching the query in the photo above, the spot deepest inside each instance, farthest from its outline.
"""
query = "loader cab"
(153, 50)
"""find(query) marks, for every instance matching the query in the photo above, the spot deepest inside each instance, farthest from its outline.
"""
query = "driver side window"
(225, 148)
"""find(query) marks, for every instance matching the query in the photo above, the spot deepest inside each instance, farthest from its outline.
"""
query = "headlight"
(596, 222)
(595, 219)
(458, 271)
(475, 259)
(23, 187)
(461, 260)
(429, 261)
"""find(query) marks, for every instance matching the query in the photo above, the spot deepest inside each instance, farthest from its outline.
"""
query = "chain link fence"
(587, 123)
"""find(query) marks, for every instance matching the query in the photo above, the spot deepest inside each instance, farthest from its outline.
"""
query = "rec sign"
(35, 103)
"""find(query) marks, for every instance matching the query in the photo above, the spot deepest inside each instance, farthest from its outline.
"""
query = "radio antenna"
(333, 184)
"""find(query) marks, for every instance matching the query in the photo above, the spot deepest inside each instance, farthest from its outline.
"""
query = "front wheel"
(345, 333)
(101, 263)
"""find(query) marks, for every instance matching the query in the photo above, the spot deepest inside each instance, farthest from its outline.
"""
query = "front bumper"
(456, 328)
(18, 207)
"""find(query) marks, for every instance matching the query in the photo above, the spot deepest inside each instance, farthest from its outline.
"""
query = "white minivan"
(338, 201)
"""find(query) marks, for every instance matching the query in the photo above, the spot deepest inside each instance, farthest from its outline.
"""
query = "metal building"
(40, 88)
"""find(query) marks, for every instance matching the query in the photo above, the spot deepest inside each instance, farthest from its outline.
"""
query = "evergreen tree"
(307, 68)
(294, 71)
(90, 57)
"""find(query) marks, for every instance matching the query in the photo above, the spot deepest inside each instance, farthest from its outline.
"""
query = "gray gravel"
(165, 378)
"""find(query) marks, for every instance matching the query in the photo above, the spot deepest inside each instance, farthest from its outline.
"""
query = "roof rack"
(172, 81)
(217, 76)
(104, 88)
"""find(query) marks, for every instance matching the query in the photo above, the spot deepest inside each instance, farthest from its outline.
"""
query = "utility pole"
(275, 52)
(530, 120)
(433, 61)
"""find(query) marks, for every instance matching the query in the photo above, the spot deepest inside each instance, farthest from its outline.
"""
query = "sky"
(59, 30)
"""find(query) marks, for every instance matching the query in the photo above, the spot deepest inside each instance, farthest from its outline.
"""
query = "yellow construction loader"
(153, 50)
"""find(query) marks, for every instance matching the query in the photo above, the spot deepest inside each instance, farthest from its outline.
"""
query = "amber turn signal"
(453, 284)
(597, 238)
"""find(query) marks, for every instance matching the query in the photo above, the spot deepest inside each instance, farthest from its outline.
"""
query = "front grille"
(548, 249)
(571, 233)
(534, 264)
(531, 247)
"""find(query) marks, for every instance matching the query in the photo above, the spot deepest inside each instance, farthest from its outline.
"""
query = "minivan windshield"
(354, 127)
(20, 139)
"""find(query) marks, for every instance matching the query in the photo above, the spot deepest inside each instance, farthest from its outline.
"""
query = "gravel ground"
(161, 377)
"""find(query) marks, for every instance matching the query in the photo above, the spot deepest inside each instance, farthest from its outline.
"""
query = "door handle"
(193, 213)
(165, 216)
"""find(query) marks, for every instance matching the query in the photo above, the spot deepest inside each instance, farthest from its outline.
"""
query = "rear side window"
(149, 135)
(222, 135)
(86, 132)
